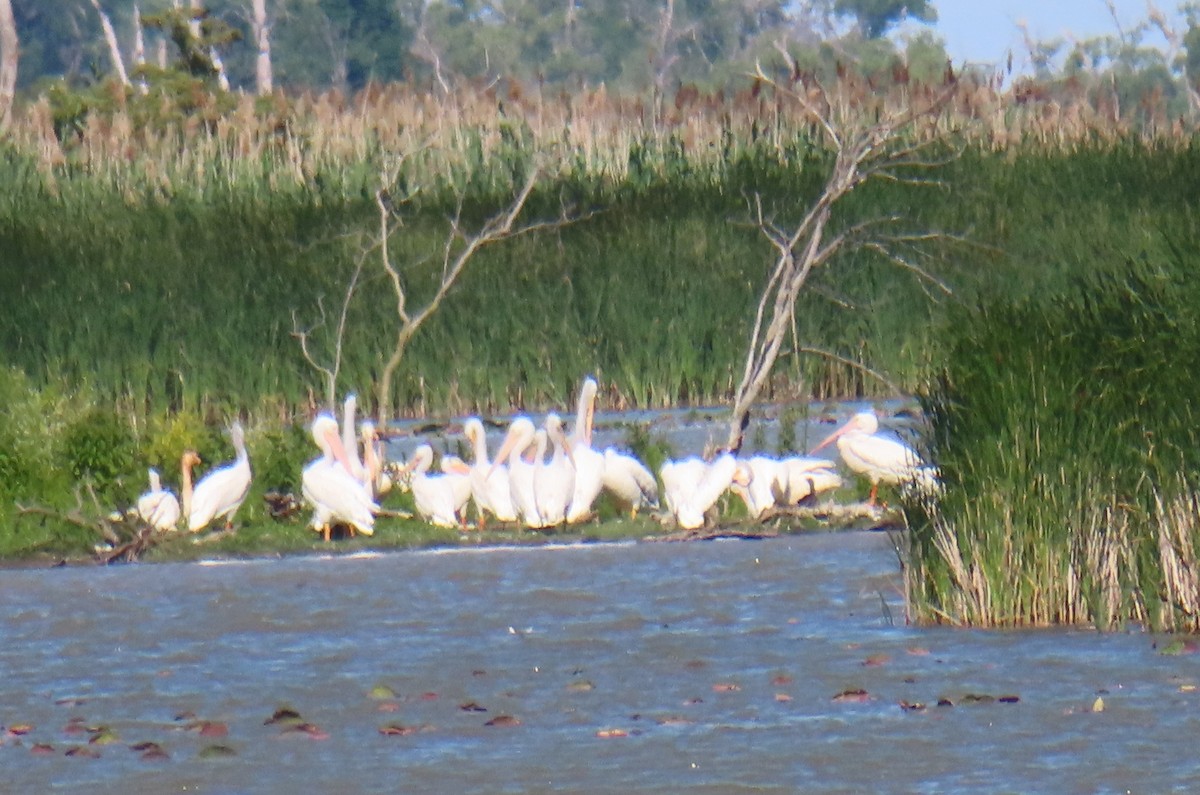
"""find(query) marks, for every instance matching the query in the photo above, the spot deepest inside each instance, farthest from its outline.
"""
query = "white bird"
(335, 494)
(219, 493)
(460, 480)
(158, 507)
(489, 483)
(521, 434)
(763, 490)
(554, 480)
(378, 481)
(438, 498)
(629, 481)
(589, 464)
(784, 481)
(350, 439)
(692, 486)
(881, 459)
(801, 476)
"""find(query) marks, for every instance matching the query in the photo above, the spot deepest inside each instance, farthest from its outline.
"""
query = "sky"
(984, 31)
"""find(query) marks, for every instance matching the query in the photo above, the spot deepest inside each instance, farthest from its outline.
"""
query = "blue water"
(719, 662)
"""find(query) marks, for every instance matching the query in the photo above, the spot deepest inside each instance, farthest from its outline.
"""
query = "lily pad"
(284, 715)
(83, 751)
(853, 696)
(606, 734)
(381, 693)
(580, 686)
(471, 706)
(503, 720)
(396, 730)
(217, 752)
(41, 749)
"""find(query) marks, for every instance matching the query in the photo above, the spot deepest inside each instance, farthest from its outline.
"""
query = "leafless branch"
(867, 144)
(460, 248)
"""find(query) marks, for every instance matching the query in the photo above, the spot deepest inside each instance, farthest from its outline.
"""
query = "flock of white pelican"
(540, 477)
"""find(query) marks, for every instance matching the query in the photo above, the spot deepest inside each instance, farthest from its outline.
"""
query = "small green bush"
(99, 447)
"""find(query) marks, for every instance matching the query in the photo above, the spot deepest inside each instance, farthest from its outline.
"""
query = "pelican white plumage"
(350, 439)
(554, 480)
(520, 435)
(629, 481)
(335, 494)
(438, 498)
(763, 490)
(377, 479)
(802, 476)
(589, 464)
(158, 507)
(692, 486)
(222, 491)
(783, 481)
(489, 484)
(881, 459)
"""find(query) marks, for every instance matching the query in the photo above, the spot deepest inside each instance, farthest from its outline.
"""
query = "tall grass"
(188, 302)
(1070, 449)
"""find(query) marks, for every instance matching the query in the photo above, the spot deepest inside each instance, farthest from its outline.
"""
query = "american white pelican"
(219, 493)
(692, 486)
(327, 485)
(763, 490)
(554, 480)
(801, 476)
(629, 481)
(589, 464)
(350, 439)
(521, 434)
(158, 507)
(881, 459)
(489, 484)
(783, 481)
(438, 498)
(460, 480)
(378, 481)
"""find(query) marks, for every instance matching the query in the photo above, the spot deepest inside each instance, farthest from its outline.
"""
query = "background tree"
(866, 143)
(875, 17)
(9, 56)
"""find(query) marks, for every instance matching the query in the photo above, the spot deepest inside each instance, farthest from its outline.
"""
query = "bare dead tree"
(9, 52)
(110, 38)
(462, 244)
(868, 144)
(263, 76)
(329, 372)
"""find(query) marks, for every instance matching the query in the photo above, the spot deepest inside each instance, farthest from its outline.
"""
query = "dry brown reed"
(301, 135)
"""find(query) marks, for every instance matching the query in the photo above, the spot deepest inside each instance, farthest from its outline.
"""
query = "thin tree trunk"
(110, 38)
(262, 36)
(9, 52)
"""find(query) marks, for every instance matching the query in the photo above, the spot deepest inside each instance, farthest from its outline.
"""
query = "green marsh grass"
(1068, 441)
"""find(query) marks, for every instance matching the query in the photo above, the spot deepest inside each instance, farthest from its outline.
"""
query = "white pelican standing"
(219, 493)
(438, 498)
(489, 484)
(629, 481)
(521, 434)
(158, 507)
(327, 485)
(350, 439)
(692, 486)
(554, 480)
(589, 464)
(881, 459)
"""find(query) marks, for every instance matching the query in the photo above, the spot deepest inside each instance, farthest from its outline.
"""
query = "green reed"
(1070, 451)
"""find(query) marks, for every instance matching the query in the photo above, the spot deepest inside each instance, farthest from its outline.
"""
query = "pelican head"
(520, 434)
(864, 422)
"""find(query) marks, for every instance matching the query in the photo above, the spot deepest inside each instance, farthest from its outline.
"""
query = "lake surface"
(634, 668)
